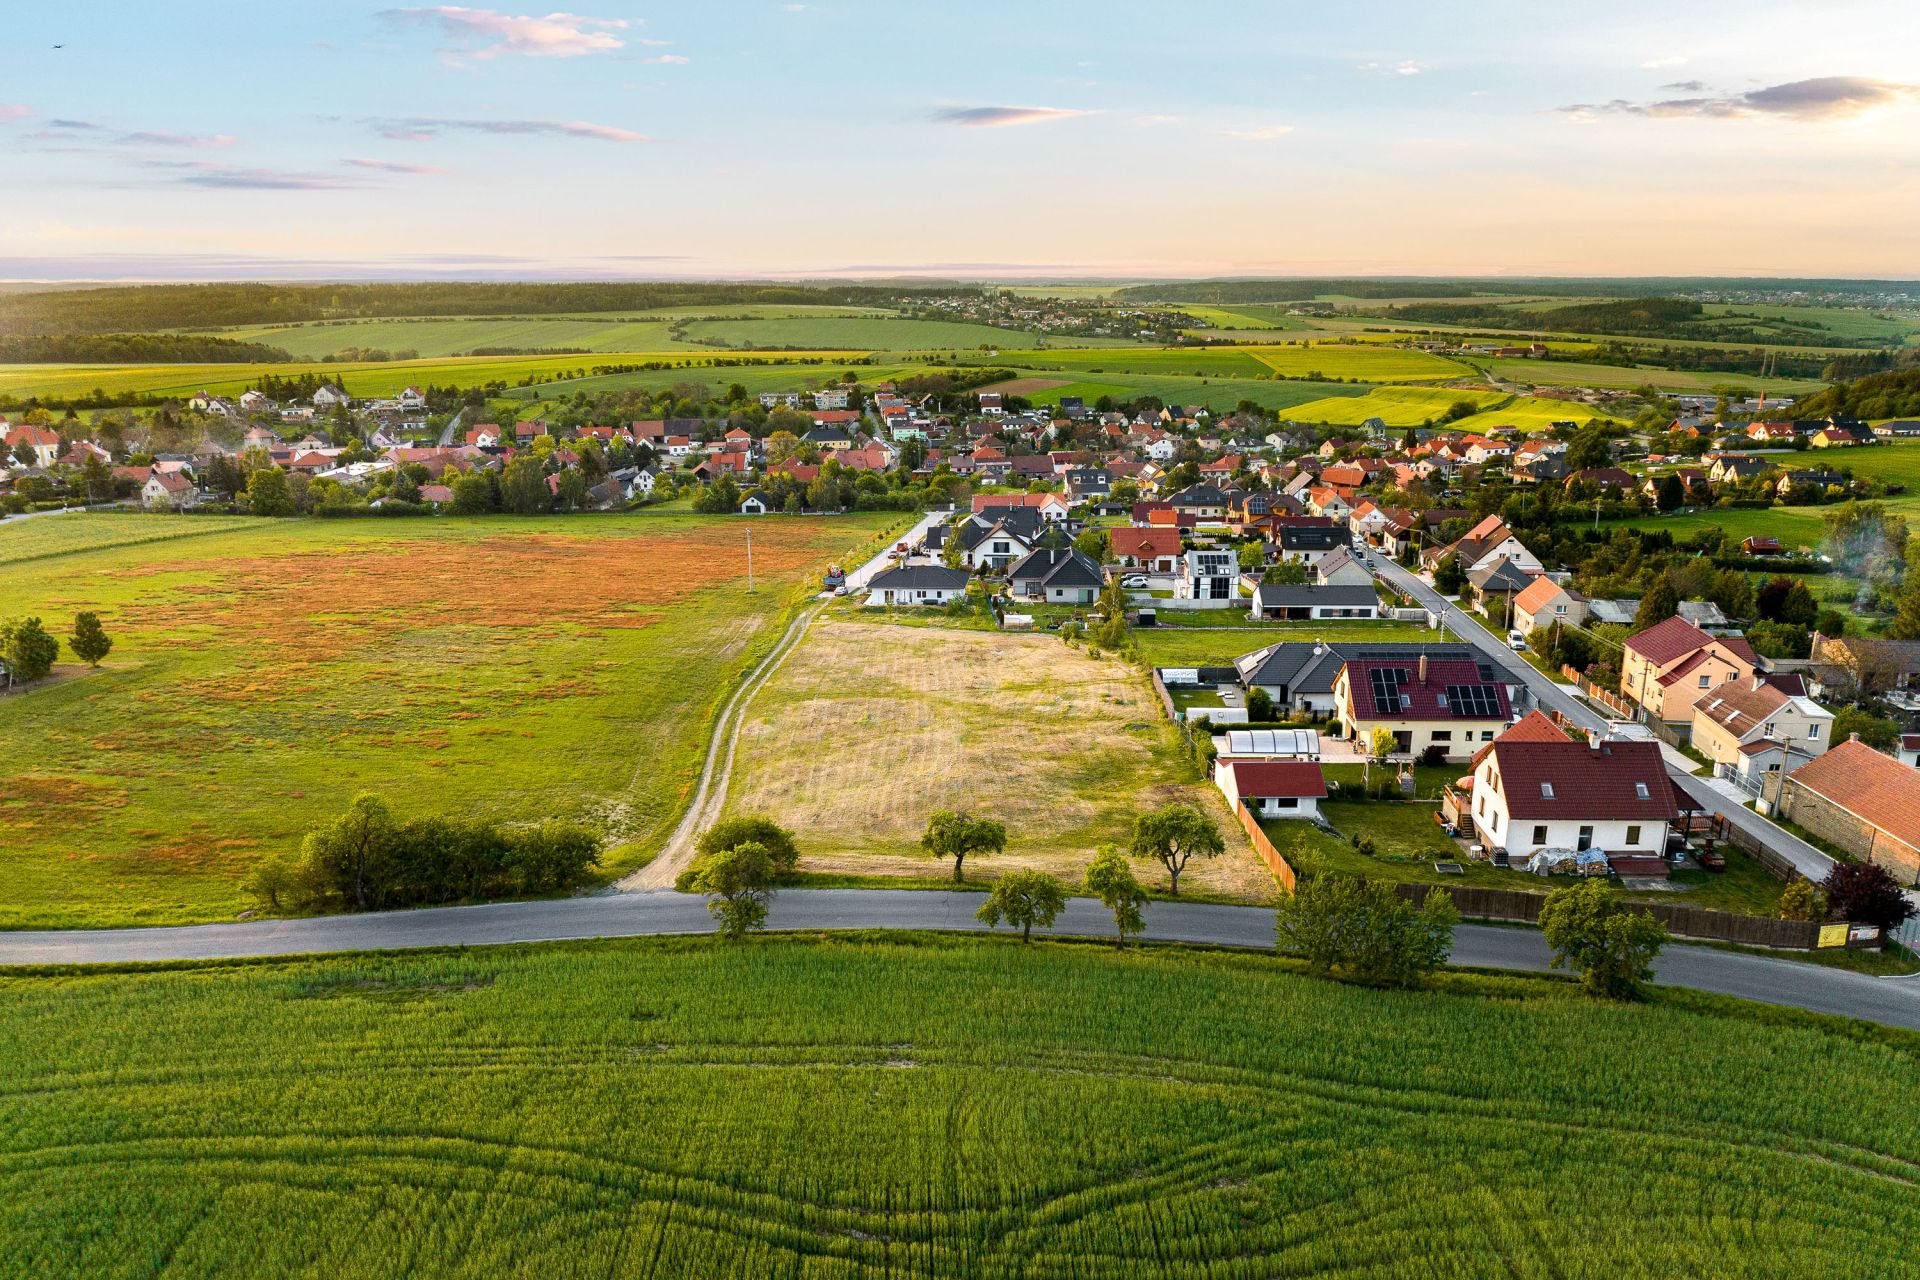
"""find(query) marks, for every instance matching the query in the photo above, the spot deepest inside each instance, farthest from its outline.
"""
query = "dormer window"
(1640, 791)
(1546, 791)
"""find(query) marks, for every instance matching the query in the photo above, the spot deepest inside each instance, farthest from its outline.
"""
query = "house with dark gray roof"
(1058, 576)
(918, 584)
(1303, 602)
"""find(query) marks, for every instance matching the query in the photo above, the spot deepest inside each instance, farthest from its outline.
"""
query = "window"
(1546, 791)
(1768, 732)
(1640, 791)
(1633, 835)
(1496, 823)
(1442, 735)
(1559, 608)
(1540, 834)
(1706, 682)
(1486, 735)
(1813, 731)
(1585, 841)
(1286, 802)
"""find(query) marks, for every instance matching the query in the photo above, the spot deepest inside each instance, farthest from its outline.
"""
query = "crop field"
(1844, 323)
(1396, 406)
(1216, 393)
(1359, 361)
(849, 333)
(1530, 413)
(262, 677)
(69, 532)
(926, 1106)
(1562, 373)
(866, 730)
(56, 381)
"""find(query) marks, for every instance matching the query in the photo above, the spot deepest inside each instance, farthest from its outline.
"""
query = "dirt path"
(711, 796)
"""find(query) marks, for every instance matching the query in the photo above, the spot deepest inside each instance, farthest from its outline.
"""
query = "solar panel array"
(1386, 687)
(1475, 701)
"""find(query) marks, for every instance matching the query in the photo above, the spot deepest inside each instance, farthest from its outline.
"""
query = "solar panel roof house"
(1453, 704)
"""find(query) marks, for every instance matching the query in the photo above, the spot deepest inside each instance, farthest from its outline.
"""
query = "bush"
(740, 882)
(1866, 893)
(1365, 931)
(1801, 901)
(770, 835)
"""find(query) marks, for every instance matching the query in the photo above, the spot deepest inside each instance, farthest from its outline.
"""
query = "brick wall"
(1830, 822)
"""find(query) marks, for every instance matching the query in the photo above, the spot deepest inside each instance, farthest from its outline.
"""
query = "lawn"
(261, 677)
(922, 1106)
(864, 732)
(1219, 646)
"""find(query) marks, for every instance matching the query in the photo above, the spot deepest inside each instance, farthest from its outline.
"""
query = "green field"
(516, 669)
(68, 532)
(1562, 373)
(1357, 362)
(1217, 394)
(921, 1106)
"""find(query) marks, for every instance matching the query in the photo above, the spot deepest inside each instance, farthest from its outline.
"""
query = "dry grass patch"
(867, 730)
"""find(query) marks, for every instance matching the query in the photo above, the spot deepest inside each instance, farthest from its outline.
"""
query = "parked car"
(1134, 582)
(1516, 641)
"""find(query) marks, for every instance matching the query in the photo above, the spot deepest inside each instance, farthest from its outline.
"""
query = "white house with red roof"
(1272, 788)
(42, 443)
(1535, 788)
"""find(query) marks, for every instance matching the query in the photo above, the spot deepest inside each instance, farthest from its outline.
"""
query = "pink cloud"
(14, 111)
(486, 33)
(391, 166)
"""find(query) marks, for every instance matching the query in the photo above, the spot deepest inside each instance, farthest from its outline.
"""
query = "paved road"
(1895, 1001)
(453, 425)
(858, 579)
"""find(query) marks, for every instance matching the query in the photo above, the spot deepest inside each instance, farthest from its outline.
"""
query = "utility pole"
(749, 561)
(1596, 515)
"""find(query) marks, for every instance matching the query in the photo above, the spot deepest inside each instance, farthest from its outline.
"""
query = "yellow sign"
(1833, 935)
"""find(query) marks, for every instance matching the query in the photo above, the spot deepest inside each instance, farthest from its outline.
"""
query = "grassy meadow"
(921, 1106)
(264, 674)
(867, 728)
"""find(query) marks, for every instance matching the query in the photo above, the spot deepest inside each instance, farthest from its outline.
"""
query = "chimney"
(1853, 737)
(1423, 667)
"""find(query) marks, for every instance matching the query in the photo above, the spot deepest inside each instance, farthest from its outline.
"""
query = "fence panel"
(1682, 921)
(1263, 846)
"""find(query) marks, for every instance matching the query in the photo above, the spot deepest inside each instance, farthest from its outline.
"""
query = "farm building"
(1865, 802)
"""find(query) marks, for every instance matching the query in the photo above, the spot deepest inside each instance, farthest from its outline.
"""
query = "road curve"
(1892, 1001)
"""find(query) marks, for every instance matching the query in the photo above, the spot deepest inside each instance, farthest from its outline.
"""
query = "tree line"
(135, 348)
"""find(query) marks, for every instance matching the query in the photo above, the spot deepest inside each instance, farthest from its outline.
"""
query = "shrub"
(1365, 931)
(770, 835)
(1866, 893)
(1591, 930)
(1801, 900)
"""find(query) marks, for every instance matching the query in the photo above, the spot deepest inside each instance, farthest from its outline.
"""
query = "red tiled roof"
(1875, 788)
(1665, 641)
(1423, 699)
(1538, 595)
(1145, 543)
(1263, 778)
(1585, 781)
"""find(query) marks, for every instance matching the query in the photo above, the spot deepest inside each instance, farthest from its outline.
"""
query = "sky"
(1046, 139)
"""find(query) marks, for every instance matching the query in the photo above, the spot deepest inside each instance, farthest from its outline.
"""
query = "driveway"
(858, 579)
(1893, 1001)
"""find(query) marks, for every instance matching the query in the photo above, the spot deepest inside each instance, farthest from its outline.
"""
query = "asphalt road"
(1893, 1001)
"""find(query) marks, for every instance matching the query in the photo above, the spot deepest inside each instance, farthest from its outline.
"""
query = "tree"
(1110, 878)
(97, 478)
(1287, 573)
(1093, 543)
(1877, 732)
(1259, 705)
(1382, 743)
(1174, 834)
(1448, 577)
(1797, 606)
(349, 854)
(765, 832)
(572, 489)
(740, 883)
(1025, 899)
(27, 649)
(955, 835)
(1365, 930)
(1591, 930)
(1671, 493)
(1866, 893)
(1589, 448)
(473, 494)
(1659, 603)
(1801, 900)
(89, 641)
(523, 487)
(1252, 555)
(722, 497)
(268, 493)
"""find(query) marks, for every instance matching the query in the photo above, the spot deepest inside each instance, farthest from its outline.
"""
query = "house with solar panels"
(1454, 704)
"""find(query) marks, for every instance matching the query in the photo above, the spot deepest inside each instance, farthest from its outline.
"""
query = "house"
(168, 491)
(1341, 567)
(1325, 501)
(1758, 545)
(1502, 580)
(1858, 666)
(1865, 802)
(1669, 666)
(1452, 704)
(1536, 789)
(1300, 602)
(997, 539)
(754, 504)
(1908, 752)
(328, 397)
(1480, 546)
(1051, 506)
(1753, 732)
(1156, 550)
(830, 398)
(1605, 479)
(918, 584)
(1058, 575)
(1546, 602)
(1209, 575)
(1780, 433)
(1088, 484)
(41, 442)
(1308, 544)
(254, 400)
(1272, 788)
(412, 400)
(1299, 675)
(1841, 436)
(1205, 501)
(1735, 467)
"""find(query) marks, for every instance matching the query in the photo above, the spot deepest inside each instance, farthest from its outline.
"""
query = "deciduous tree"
(750, 829)
(1110, 878)
(1024, 899)
(740, 882)
(1592, 930)
(1866, 893)
(89, 641)
(1173, 835)
(955, 835)
(27, 649)
(1365, 930)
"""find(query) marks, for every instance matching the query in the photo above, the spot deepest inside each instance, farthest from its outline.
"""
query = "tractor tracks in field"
(710, 796)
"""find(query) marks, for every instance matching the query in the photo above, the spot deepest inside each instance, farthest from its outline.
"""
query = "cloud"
(212, 173)
(1262, 133)
(1002, 117)
(1685, 86)
(484, 33)
(164, 138)
(1405, 67)
(668, 60)
(1824, 98)
(794, 8)
(420, 128)
(391, 166)
(1661, 64)
(75, 126)
(14, 111)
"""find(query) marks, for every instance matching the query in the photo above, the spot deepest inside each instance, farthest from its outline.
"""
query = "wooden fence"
(1681, 921)
(1597, 693)
(1263, 846)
